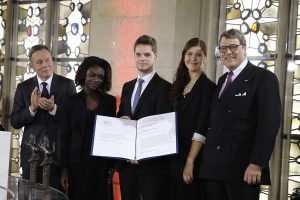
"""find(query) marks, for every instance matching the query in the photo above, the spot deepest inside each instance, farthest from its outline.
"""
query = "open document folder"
(147, 137)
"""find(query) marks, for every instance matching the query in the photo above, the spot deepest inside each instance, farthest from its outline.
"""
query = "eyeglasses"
(232, 47)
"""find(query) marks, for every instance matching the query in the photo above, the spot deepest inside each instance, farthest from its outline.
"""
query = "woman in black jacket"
(191, 96)
(85, 176)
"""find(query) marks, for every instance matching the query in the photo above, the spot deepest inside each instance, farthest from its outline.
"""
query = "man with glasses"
(244, 122)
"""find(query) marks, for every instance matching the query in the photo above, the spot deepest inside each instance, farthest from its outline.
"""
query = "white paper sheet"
(148, 137)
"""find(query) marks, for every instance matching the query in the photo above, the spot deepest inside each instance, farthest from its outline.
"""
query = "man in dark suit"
(144, 96)
(244, 122)
(37, 108)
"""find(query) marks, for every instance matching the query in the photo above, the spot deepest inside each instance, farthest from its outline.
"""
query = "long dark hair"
(89, 62)
(182, 77)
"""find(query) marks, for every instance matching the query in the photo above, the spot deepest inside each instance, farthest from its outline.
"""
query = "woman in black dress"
(85, 176)
(191, 96)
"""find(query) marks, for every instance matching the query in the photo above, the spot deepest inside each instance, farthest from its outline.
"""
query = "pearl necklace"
(188, 87)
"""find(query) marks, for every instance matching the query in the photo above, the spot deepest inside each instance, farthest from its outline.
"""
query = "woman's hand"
(188, 171)
(64, 179)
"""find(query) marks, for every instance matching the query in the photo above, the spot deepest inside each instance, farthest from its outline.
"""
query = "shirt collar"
(239, 69)
(48, 81)
(147, 78)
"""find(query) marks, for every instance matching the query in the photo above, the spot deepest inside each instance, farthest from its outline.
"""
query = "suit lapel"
(128, 96)
(35, 83)
(54, 85)
(220, 84)
(146, 92)
(243, 78)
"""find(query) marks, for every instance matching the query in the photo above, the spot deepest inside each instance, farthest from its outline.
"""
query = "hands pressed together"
(38, 101)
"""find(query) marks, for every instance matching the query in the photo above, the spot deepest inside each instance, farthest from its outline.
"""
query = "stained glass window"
(257, 19)
(73, 34)
(31, 27)
(294, 157)
(31, 31)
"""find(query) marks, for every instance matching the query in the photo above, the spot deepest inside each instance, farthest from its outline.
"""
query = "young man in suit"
(245, 118)
(146, 95)
(37, 108)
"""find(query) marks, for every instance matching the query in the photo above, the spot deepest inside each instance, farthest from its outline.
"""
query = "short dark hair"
(37, 47)
(146, 40)
(234, 34)
(89, 62)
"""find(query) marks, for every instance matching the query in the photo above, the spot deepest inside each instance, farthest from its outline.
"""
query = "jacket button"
(218, 147)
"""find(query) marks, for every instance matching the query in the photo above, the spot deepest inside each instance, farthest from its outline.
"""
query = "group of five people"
(226, 132)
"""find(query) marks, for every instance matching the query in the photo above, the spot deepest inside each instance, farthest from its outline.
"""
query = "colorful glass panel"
(257, 19)
(73, 36)
(294, 162)
(294, 158)
(31, 27)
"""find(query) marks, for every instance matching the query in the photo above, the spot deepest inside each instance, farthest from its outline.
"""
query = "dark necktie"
(137, 94)
(228, 82)
(45, 92)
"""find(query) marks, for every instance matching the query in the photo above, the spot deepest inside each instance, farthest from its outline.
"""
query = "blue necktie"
(45, 92)
(137, 94)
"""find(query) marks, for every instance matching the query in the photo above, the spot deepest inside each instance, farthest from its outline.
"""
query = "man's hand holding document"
(145, 138)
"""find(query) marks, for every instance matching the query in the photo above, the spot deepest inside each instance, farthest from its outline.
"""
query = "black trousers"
(181, 191)
(147, 187)
(218, 190)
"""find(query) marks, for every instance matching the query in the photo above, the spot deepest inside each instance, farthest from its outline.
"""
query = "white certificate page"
(156, 136)
(114, 137)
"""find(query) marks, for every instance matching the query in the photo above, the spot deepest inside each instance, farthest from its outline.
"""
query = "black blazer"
(193, 116)
(74, 123)
(40, 124)
(243, 126)
(154, 100)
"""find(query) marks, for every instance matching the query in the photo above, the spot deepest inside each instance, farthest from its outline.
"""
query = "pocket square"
(241, 94)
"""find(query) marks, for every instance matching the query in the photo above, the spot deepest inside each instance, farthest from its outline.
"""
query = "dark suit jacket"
(154, 100)
(243, 126)
(42, 123)
(73, 126)
(193, 116)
